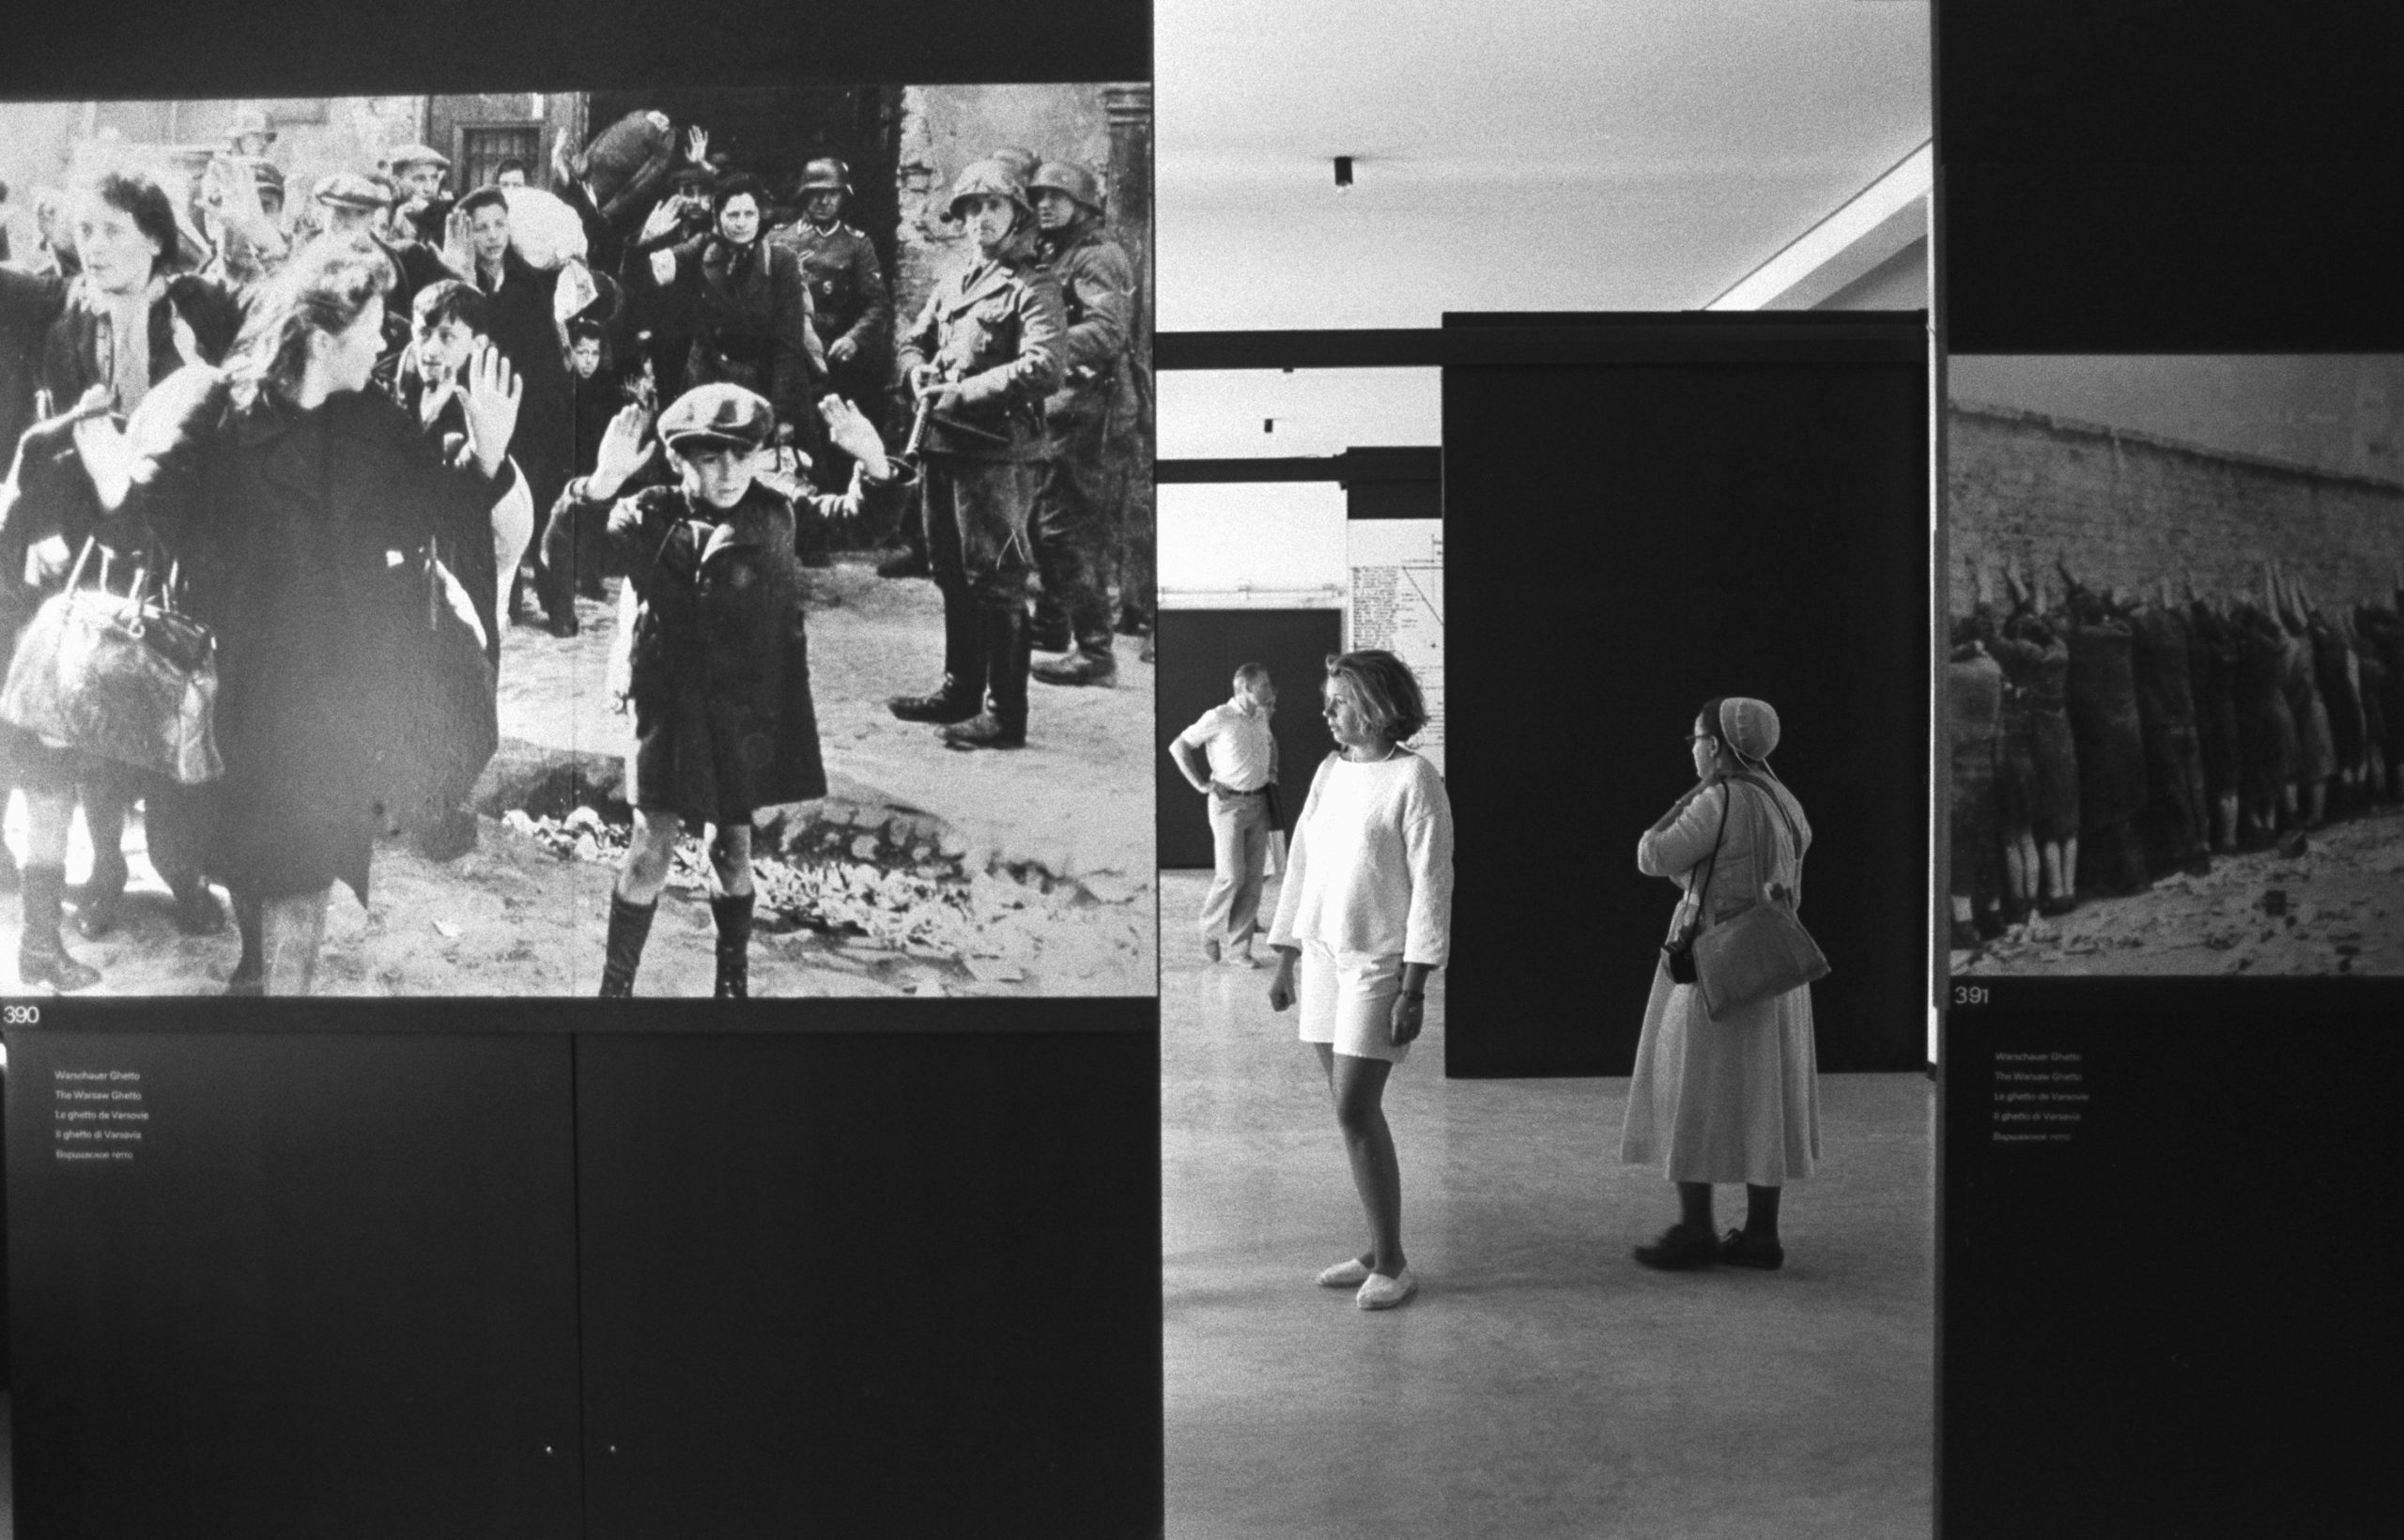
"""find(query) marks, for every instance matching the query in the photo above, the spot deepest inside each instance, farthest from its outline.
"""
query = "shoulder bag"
(1762, 950)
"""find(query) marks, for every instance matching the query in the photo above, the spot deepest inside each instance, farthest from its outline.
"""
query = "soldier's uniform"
(847, 287)
(994, 330)
(1091, 426)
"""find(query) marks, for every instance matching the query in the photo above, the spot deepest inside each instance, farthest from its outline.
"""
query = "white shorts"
(1347, 999)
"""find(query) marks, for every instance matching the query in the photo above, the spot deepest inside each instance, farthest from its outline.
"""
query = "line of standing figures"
(2103, 738)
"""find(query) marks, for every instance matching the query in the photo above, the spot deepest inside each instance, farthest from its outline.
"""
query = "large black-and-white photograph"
(679, 542)
(2176, 687)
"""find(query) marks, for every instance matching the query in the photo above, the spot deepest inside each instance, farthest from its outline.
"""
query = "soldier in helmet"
(717, 660)
(981, 360)
(251, 134)
(853, 310)
(1091, 420)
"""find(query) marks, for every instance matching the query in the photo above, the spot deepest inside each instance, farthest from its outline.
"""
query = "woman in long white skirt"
(1734, 1100)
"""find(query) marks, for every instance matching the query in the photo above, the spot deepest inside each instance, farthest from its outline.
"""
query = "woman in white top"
(1366, 909)
(1733, 1099)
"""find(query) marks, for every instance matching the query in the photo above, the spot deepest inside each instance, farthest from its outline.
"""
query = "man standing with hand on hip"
(1231, 757)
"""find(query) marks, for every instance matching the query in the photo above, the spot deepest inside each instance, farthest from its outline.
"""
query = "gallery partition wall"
(1643, 512)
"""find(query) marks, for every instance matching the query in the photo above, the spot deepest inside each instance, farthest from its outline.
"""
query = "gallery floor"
(1542, 1384)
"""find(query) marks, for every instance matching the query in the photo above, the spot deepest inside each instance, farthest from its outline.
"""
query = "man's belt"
(1257, 791)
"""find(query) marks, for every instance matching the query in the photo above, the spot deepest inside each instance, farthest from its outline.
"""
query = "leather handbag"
(1762, 950)
(125, 677)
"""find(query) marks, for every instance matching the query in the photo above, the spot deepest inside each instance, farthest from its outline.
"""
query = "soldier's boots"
(1085, 666)
(1007, 631)
(629, 928)
(732, 912)
(1051, 632)
(963, 671)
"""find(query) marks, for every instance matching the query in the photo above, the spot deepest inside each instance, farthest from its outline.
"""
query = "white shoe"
(1383, 1293)
(1349, 1273)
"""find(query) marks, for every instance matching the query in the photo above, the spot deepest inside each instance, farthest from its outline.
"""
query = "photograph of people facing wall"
(685, 542)
(2173, 684)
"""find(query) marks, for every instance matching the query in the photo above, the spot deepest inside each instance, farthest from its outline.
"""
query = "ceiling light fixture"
(1344, 174)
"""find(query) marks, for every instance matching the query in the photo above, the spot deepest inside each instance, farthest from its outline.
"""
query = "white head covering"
(1748, 726)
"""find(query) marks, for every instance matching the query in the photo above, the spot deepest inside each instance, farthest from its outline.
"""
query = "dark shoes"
(1739, 1252)
(1679, 1249)
(944, 706)
(1966, 936)
(984, 731)
(2052, 905)
(907, 564)
(1097, 669)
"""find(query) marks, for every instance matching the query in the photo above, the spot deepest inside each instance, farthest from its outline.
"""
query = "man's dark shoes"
(1679, 1249)
(907, 564)
(943, 706)
(1739, 1252)
(1080, 668)
(985, 730)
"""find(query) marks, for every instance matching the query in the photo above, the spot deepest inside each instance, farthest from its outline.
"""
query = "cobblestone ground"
(1045, 854)
(2339, 909)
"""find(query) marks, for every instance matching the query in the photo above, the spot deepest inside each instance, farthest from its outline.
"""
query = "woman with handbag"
(1363, 917)
(299, 505)
(129, 316)
(1732, 1096)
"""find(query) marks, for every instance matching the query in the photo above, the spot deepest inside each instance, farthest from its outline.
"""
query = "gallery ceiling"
(1526, 155)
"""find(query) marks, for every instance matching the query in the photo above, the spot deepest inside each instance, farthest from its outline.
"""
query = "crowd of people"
(363, 430)
(2103, 738)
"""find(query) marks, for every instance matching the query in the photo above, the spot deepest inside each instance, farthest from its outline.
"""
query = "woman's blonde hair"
(1386, 690)
(324, 286)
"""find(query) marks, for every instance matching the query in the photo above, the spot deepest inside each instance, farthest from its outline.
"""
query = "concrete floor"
(1542, 1384)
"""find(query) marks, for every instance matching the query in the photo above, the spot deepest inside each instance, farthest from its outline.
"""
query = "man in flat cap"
(349, 203)
(718, 663)
(420, 169)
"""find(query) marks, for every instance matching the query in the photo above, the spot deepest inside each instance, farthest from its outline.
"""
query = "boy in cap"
(717, 660)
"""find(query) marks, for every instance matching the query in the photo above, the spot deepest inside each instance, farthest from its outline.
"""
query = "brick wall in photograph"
(2130, 509)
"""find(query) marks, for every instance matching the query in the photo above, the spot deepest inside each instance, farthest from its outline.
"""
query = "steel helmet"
(1070, 177)
(988, 179)
(827, 175)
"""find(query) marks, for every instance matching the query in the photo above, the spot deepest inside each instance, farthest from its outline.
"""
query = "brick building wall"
(2127, 508)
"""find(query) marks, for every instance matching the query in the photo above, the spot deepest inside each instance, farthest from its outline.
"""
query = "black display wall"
(1651, 511)
(327, 1287)
(1199, 652)
(899, 1279)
